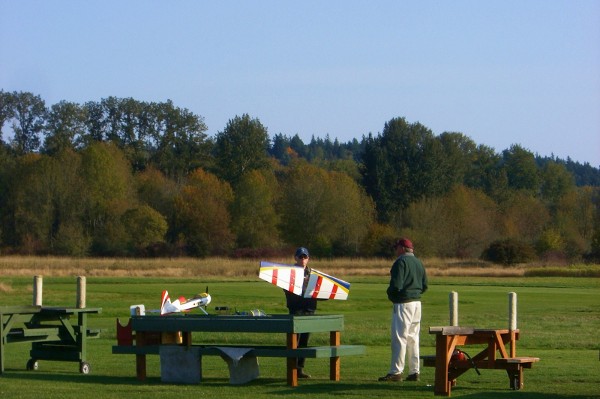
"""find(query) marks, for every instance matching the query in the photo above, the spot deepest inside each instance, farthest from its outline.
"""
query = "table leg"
(515, 375)
(186, 338)
(513, 343)
(334, 362)
(292, 370)
(444, 346)
(82, 336)
(140, 360)
(2, 341)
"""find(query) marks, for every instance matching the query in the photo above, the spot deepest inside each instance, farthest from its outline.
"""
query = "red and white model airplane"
(183, 305)
(290, 278)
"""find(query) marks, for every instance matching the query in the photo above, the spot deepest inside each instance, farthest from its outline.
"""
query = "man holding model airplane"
(299, 305)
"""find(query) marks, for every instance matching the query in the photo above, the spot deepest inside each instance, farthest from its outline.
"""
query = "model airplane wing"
(324, 286)
(290, 278)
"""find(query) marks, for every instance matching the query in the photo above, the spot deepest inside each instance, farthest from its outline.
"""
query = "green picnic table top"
(239, 323)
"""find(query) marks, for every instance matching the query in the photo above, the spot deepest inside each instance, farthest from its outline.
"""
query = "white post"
(38, 284)
(453, 308)
(512, 322)
(81, 292)
(512, 311)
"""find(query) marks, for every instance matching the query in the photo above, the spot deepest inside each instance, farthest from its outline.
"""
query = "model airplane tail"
(290, 278)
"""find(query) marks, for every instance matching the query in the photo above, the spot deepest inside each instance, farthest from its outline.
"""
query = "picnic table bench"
(55, 333)
(148, 332)
(495, 341)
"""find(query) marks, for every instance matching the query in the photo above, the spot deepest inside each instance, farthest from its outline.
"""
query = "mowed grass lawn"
(559, 319)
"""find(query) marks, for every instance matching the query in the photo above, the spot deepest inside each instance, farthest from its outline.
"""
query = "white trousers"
(406, 326)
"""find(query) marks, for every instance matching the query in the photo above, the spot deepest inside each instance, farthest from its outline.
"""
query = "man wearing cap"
(298, 305)
(408, 280)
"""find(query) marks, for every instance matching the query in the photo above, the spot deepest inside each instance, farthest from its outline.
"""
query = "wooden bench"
(513, 365)
(255, 350)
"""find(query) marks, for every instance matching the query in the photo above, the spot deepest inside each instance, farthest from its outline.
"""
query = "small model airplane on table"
(183, 305)
(290, 278)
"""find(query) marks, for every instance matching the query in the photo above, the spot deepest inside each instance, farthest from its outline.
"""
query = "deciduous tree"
(108, 194)
(202, 214)
(30, 113)
(65, 127)
(326, 211)
(254, 219)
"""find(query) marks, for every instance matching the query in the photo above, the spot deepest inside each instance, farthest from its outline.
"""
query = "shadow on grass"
(524, 394)
(334, 388)
(278, 387)
(71, 378)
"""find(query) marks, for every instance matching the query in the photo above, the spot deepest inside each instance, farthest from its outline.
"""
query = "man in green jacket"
(408, 280)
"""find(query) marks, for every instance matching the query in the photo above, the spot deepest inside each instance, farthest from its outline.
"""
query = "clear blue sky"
(501, 72)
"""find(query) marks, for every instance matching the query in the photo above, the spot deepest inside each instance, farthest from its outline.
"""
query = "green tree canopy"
(521, 169)
(241, 148)
(401, 166)
(144, 226)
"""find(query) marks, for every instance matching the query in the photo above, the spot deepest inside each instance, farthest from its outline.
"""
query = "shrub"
(508, 252)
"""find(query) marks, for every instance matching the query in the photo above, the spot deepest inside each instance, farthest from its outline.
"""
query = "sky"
(501, 72)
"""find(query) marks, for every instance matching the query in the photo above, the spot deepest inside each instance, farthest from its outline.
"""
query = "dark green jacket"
(408, 279)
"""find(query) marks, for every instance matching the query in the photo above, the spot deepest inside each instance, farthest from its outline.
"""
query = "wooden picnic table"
(499, 352)
(147, 330)
(55, 333)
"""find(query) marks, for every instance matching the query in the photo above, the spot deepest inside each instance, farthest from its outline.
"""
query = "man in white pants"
(408, 280)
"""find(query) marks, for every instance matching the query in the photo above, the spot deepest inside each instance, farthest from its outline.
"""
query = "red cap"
(404, 242)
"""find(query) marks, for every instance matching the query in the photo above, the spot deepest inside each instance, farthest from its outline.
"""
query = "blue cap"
(301, 251)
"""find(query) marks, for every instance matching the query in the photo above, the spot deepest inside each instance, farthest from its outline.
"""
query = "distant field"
(224, 267)
(559, 319)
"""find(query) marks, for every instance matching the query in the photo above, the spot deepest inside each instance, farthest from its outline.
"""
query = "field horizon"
(230, 267)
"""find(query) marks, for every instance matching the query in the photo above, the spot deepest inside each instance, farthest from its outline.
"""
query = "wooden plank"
(39, 332)
(7, 310)
(518, 360)
(451, 330)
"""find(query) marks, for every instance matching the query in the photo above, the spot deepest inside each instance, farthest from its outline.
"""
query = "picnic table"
(148, 330)
(55, 333)
(499, 352)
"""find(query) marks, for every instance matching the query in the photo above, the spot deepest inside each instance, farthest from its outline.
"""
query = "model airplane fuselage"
(182, 304)
(291, 278)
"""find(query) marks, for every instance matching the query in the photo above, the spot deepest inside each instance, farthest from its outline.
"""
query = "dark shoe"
(413, 377)
(391, 377)
(302, 374)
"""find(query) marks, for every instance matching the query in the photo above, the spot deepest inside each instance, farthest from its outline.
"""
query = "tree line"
(121, 177)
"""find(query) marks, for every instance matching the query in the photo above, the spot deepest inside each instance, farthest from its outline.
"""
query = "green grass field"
(559, 319)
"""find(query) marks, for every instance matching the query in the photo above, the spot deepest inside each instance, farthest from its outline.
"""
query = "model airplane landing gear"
(84, 368)
(32, 364)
